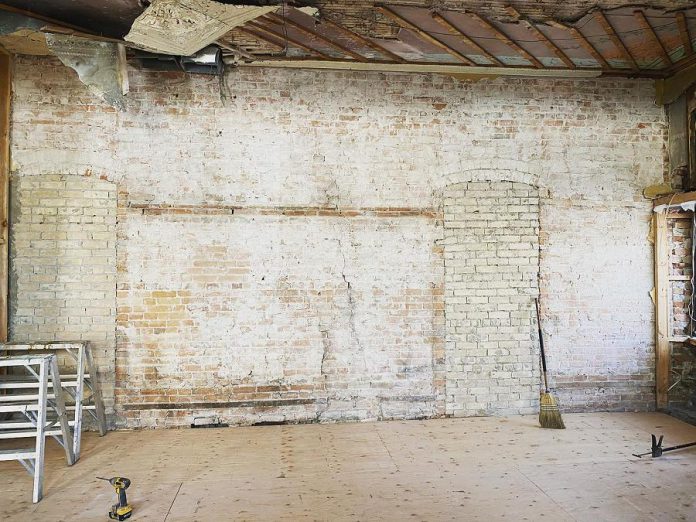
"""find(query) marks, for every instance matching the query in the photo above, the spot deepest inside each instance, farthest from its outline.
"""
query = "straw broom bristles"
(549, 414)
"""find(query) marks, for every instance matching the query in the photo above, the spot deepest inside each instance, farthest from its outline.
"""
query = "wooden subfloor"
(450, 469)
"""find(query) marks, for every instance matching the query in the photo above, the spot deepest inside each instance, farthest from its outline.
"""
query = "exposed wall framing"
(5, 100)
(662, 351)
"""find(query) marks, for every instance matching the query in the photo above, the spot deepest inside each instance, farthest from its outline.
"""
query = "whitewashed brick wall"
(491, 278)
(63, 269)
(270, 177)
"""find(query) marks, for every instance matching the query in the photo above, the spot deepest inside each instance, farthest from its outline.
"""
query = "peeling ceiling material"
(21, 35)
(99, 65)
(115, 17)
(627, 41)
(183, 27)
(102, 17)
(633, 41)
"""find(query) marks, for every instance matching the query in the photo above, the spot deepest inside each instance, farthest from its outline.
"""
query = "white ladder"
(34, 408)
(74, 384)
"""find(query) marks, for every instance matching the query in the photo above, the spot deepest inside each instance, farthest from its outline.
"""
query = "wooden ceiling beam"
(386, 11)
(645, 24)
(543, 38)
(234, 49)
(684, 32)
(611, 33)
(313, 34)
(464, 37)
(591, 49)
(502, 37)
(258, 27)
(42, 18)
(364, 40)
(277, 45)
(584, 43)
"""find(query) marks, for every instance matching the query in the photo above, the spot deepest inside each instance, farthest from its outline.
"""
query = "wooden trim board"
(662, 349)
(5, 105)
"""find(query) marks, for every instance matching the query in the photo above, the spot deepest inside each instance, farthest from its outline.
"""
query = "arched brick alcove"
(491, 238)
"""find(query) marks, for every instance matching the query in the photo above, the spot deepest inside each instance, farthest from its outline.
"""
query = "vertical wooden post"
(662, 349)
(5, 100)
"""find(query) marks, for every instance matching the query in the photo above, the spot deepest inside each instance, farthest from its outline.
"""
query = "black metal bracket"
(657, 450)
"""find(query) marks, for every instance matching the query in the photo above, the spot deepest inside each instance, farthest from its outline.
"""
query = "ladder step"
(18, 408)
(16, 454)
(23, 434)
(23, 397)
(19, 361)
(27, 385)
(24, 424)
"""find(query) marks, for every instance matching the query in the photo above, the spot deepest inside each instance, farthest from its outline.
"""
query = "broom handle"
(541, 344)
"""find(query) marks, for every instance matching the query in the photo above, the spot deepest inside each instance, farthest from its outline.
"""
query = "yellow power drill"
(121, 510)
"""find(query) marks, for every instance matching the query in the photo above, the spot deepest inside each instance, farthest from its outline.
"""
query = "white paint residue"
(691, 205)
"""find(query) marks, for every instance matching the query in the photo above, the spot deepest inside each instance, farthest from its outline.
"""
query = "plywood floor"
(450, 469)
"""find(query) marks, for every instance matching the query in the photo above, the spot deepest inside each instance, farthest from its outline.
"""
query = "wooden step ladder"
(35, 408)
(74, 384)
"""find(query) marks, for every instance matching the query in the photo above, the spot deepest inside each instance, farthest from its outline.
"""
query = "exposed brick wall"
(324, 317)
(491, 279)
(236, 213)
(63, 270)
(682, 396)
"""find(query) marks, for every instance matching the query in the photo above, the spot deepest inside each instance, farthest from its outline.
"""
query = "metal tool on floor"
(657, 450)
(121, 510)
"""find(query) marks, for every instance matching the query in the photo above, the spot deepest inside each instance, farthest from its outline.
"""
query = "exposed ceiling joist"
(616, 40)
(282, 21)
(363, 40)
(453, 29)
(684, 33)
(650, 32)
(502, 37)
(259, 26)
(543, 38)
(403, 22)
(449, 69)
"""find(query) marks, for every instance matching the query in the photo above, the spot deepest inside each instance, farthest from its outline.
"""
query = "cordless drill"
(121, 510)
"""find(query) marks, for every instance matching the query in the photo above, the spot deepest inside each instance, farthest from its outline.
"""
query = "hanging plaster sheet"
(99, 65)
(183, 27)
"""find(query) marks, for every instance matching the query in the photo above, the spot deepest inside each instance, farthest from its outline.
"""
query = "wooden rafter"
(684, 32)
(424, 35)
(584, 43)
(364, 40)
(36, 16)
(591, 49)
(502, 37)
(263, 29)
(313, 34)
(273, 43)
(234, 49)
(464, 37)
(643, 21)
(611, 33)
(543, 38)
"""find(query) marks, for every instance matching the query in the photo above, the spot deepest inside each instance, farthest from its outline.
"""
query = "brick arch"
(496, 170)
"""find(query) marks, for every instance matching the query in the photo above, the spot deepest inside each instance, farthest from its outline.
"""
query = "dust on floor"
(447, 469)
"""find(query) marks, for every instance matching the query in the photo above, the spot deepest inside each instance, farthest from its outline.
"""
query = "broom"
(549, 414)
